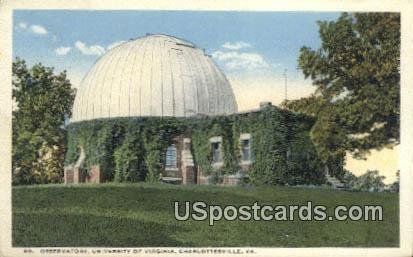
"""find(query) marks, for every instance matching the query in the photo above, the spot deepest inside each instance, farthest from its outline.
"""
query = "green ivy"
(133, 149)
(129, 162)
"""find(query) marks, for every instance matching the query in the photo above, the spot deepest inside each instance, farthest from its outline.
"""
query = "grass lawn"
(139, 215)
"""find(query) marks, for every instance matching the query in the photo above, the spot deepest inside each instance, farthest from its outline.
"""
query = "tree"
(370, 181)
(356, 72)
(396, 184)
(43, 104)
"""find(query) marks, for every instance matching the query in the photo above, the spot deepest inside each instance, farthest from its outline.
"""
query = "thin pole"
(285, 83)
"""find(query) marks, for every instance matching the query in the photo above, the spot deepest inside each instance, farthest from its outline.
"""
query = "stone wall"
(188, 175)
(231, 180)
(73, 175)
(187, 163)
(94, 175)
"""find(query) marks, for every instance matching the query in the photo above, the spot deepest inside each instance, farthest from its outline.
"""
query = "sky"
(252, 48)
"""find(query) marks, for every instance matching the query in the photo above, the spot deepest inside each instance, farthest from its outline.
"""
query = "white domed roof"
(156, 75)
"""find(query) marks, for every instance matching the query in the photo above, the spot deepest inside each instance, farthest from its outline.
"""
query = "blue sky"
(248, 46)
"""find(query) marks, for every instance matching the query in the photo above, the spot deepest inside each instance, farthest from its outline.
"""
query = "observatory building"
(154, 76)
(158, 108)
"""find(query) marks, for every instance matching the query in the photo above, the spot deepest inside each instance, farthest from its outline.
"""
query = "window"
(245, 150)
(245, 145)
(216, 148)
(171, 157)
(216, 152)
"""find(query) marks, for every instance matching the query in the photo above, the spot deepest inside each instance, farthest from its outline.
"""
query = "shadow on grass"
(122, 198)
(61, 230)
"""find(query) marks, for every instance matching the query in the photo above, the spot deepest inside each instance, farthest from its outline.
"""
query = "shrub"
(370, 181)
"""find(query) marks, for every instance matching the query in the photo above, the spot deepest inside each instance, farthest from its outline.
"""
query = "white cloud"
(238, 61)
(63, 50)
(236, 46)
(34, 28)
(22, 25)
(114, 44)
(89, 50)
(37, 29)
(96, 49)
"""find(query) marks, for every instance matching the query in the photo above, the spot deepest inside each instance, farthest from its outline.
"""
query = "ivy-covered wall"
(133, 149)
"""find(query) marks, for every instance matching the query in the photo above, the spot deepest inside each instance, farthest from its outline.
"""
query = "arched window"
(171, 156)
(216, 152)
(216, 145)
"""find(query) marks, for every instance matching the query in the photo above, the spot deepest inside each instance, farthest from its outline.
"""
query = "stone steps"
(334, 181)
(172, 180)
